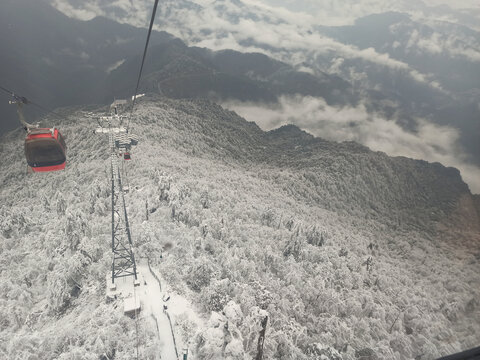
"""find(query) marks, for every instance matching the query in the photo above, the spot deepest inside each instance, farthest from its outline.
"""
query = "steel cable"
(143, 59)
(27, 101)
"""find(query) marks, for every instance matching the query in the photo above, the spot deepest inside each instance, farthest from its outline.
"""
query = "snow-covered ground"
(348, 251)
(151, 298)
(159, 306)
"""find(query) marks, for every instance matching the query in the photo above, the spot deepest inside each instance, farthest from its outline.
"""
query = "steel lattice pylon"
(123, 261)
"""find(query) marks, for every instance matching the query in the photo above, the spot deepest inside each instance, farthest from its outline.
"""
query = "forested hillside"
(351, 253)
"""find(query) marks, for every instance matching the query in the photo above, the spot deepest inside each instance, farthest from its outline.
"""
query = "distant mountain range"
(179, 71)
(96, 60)
(424, 61)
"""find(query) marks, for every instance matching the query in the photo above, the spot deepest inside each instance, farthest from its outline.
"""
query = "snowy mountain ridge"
(347, 173)
(351, 253)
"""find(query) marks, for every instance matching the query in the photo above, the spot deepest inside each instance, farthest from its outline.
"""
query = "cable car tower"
(123, 263)
(123, 260)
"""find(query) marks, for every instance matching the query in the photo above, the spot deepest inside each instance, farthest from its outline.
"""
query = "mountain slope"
(179, 71)
(348, 251)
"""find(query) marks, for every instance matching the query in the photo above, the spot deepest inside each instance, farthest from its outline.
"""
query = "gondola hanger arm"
(20, 101)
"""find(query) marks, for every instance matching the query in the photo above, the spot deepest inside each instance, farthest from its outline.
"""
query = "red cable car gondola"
(45, 150)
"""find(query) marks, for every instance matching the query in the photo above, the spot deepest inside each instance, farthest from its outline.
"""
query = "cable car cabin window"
(44, 152)
(62, 141)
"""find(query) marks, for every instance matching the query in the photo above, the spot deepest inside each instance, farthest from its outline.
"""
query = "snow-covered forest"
(350, 253)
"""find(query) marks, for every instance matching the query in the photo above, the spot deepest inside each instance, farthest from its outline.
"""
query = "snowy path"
(152, 303)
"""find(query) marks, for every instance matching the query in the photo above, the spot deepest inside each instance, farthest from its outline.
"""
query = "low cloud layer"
(281, 29)
(345, 12)
(455, 45)
(430, 142)
(88, 11)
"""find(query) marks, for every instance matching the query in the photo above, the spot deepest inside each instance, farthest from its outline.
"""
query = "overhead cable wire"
(143, 58)
(7, 91)
(28, 101)
(47, 110)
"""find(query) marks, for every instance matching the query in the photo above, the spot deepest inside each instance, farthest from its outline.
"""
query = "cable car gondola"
(45, 150)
